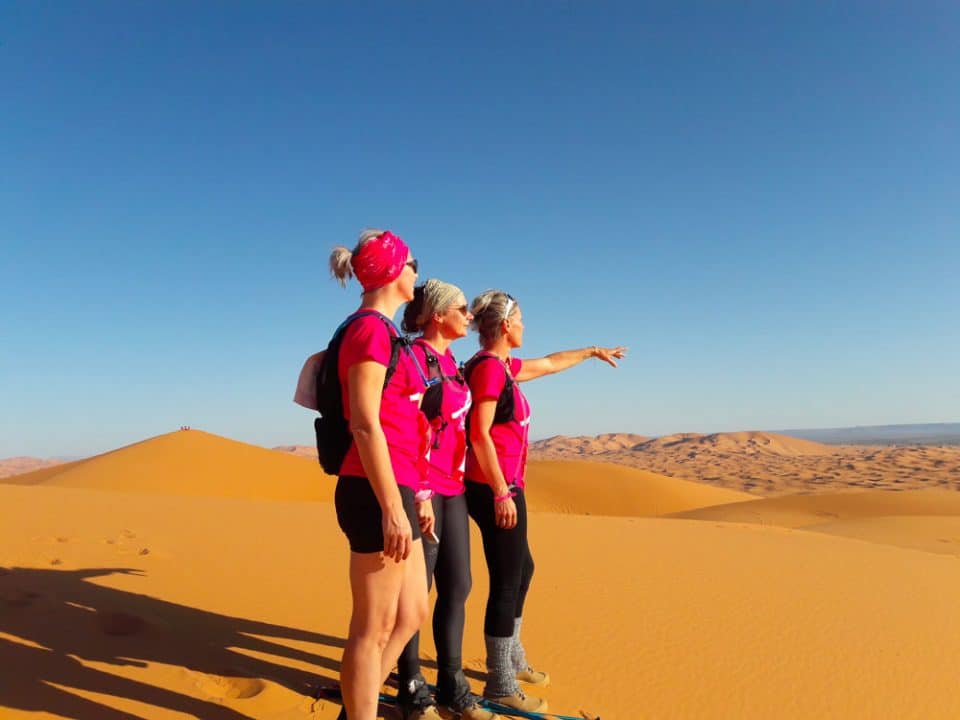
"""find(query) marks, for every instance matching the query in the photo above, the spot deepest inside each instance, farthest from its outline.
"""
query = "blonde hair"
(340, 258)
(434, 296)
(490, 308)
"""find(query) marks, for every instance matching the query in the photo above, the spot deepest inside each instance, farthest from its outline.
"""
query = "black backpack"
(505, 403)
(432, 403)
(333, 432)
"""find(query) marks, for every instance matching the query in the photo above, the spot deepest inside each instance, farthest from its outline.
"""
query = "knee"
(412, 615)
(374, 633)
(459, 589)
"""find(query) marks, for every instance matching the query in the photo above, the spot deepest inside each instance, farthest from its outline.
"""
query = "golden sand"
(193, 576)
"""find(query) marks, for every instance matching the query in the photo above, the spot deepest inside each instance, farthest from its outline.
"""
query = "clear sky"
(762, 200)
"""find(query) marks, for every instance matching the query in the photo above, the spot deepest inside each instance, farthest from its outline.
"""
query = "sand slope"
(800, 511)
(592, 488)
(192, 462)
(238, 605)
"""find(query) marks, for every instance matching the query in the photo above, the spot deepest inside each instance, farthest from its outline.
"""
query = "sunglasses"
(413, 265)
(511, 302)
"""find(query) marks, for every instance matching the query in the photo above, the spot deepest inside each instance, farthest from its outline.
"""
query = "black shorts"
(359, 516)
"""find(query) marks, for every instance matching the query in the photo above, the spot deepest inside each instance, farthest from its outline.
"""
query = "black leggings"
(449, 562)
(509, 561)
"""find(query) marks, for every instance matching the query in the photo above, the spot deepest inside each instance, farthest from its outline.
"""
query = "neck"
(500, 348)
(384, 300)
(435, 339)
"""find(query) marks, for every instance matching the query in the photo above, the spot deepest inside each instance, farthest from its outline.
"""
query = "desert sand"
(765, 463)
(194, 576)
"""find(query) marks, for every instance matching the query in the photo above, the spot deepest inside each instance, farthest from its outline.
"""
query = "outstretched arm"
(565, 359)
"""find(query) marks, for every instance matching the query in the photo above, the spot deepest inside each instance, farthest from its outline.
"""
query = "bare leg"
(375, 584)
(412, 609)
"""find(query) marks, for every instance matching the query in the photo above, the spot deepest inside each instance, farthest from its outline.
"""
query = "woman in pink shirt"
(439, 313)
(496, 460)
(375, 495)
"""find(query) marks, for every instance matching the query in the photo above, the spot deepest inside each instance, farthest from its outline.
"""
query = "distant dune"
(18, 465)
(770, 464)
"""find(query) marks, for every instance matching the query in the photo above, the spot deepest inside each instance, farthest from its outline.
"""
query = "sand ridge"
(192, 462)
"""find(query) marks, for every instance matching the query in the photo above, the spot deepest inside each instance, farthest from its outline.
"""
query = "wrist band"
(501, 498)
(423, 495)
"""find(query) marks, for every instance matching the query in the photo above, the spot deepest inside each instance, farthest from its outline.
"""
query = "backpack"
(505, 402)
(333, 432)
(432, 404)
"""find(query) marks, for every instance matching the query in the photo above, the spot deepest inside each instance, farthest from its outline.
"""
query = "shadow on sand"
(51, 620)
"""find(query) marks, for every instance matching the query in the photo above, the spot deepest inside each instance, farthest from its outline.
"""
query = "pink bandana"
(380, 261)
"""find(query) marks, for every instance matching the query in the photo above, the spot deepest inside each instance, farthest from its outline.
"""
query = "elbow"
(479, 437)
(364, 432)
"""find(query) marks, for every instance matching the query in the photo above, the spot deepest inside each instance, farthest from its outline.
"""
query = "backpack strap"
(505, 402)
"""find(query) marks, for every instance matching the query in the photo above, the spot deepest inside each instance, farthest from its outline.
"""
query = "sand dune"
(592, 488)
(562, 445)
(20, 465)
(192, 462)
(802, 511)
(770, 464)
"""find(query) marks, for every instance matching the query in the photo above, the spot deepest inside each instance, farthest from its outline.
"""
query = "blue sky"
(760, 200)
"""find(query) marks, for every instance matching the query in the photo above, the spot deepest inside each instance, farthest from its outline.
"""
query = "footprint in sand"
(121, 624)
(230, 686)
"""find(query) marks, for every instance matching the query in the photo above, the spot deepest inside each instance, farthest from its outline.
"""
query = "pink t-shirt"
(487, 380)
(448, 446)
(405, 427)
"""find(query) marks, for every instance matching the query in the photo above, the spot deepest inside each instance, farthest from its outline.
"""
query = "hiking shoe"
(426, 713)
(520, 701)
(468, 707)
(534, 677)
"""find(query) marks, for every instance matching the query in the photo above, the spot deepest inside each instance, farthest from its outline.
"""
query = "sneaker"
(520, 701)
(468, 707)
(534, 677)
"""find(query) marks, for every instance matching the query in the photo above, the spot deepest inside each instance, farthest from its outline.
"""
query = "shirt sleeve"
(487, 381)
(366, 338)
(515, 365)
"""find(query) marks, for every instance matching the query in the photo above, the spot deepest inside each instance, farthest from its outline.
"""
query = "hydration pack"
(333, 432)
(505, 402)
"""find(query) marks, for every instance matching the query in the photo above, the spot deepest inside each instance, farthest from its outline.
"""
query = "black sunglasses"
(413, 265)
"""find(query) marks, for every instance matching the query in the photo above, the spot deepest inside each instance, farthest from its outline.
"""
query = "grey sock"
(501, 677)
(517, 655)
